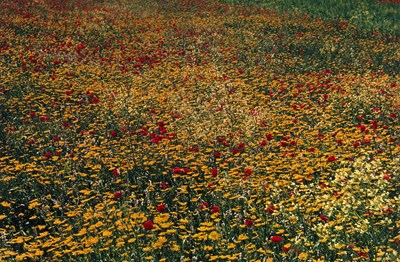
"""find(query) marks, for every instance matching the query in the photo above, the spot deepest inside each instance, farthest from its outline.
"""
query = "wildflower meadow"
(196, 130)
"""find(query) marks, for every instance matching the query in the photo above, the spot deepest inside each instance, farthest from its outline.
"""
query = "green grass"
(367, 14)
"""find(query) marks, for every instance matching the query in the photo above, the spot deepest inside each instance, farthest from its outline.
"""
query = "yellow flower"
(34, 203)
(107, 233)
(120, 242)
(160, 242)
(23, 256)
(303, 256)
(131, 240)
(166, 225)
(242, 237)
(204, 228)
(338, 228)
(5, 204)
(162, 218)
(81, 232)
(213, 236)
(207, 248)
(175, 247)
(231, 245)
(43, 234)
(91, 241)
(339, 246)
(19, 240)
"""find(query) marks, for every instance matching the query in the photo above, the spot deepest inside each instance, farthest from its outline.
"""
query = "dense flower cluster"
(185, 130)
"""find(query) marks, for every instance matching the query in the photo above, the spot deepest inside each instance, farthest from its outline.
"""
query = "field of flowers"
(179, 130)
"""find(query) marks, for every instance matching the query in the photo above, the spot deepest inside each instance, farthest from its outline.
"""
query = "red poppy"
(366, 141)
(194, 149)
(387, 177)
(270, 209)
(170, 136)
(114, 133)
(331, 158)
(94, 100)
(48, 154)
(374, 124)
(214, 172)
(118, 194)
(361, 127)
(143, 131)
(162, 130)
(269, 137)
(176, 170)
(323, 218)
(203, 205)
(215, 209)
(368, 212)
(148, 225)
(164, 185)
(44, 118)
(116, 172)
(276, 239)
(217, 154)
(248, 222)
(388, 210)
(66, 124)
(156, 139)
(161, 208)
(248, 172)
(362, 254)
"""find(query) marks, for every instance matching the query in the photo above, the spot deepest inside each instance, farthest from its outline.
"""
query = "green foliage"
(367, 14)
